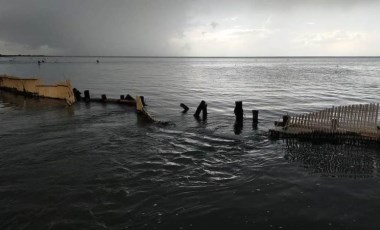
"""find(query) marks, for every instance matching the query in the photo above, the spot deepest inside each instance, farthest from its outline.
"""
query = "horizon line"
(157, 56)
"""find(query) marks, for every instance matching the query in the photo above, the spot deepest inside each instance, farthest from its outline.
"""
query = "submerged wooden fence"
(352, 118)
(360, 120)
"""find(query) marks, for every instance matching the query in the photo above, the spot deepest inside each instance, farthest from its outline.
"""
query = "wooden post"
(204, 112)
(356, 116)
(348, 117)
(374, 114)
(364, 117)
(77, 94)
(285, 120)
(374, 119)
(239, 111)
(185, 108)
(334, 124)
(377, 113)
(341, 117)
(370, 115)
(311, 121)
(338, 116)
(143, 100)
(308, 121)
(255, 116)
(86, 95)
(129, 97)
(104, 97)
(302, 121)
(199, 109)
(139, 104)
(121, 97)
(141, 110)
(238, 127)
(359, 118)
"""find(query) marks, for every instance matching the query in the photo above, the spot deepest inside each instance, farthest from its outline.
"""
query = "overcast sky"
(190, 27)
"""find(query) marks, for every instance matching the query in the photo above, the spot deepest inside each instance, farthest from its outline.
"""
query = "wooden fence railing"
(360, 118)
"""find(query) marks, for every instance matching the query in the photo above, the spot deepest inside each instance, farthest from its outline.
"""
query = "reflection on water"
(334, 160)
(238, 127)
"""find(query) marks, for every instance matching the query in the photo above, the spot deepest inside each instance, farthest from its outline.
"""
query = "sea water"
(96, 166)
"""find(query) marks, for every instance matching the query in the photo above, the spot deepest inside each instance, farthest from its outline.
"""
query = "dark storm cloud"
(117, 27)
(92, 27)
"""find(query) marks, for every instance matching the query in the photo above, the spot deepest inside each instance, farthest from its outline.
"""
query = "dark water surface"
(100, 167)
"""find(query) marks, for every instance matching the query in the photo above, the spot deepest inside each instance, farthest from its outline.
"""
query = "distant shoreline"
(103, 56)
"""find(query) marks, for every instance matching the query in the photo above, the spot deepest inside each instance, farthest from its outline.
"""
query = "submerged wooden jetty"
(352, 121)
(34, 87)
(127, 100)
(356, 122)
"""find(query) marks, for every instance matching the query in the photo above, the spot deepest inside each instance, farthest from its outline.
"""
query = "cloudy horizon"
(190, 28)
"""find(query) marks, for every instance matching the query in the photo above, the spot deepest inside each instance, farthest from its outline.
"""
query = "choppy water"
(99, 167)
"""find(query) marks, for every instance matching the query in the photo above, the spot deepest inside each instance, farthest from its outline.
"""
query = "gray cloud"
(93, 27)
(214, 24)
(147, 27)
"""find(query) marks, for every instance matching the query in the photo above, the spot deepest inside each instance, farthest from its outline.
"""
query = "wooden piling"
(77, 94)
(141, 110)
(204, 112)
(121, 97)
(238, 127)
(129, 97)
(143, 100)
(285, 120)
(255, 116)
(86, 95)
(185, 108)
(239, 113)
(139, 104)
(200, 109)
(334, 124)
(104, 97)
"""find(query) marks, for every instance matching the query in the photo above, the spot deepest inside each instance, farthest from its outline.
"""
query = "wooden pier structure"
(353, 122)
(358, 121)
(34, 87)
